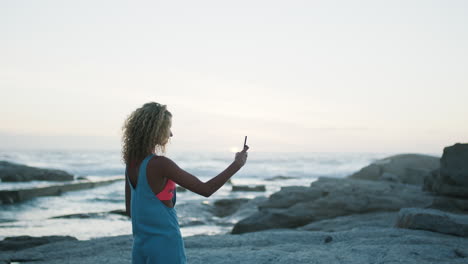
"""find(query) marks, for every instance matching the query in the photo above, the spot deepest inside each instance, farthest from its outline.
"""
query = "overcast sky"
(309, 76)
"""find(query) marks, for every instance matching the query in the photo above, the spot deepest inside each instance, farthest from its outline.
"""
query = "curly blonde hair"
(146, 130)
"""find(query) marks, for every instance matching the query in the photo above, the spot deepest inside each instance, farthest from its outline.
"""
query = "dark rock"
(91, 215)
(297, 206)
(280, 177)
(402, 168)
(19, 195)
(22, 242)
(433, 220)
(461, 253)
(81, 216)
(450, 204)
(247, 188)
(452, 178)
(192, 223)
(431, 180)
(12, 172)
(454, 164)
(225, 207)
(119, 212)
(328, 239)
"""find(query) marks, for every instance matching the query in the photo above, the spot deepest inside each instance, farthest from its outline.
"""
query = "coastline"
(400, 209)
(371, 244)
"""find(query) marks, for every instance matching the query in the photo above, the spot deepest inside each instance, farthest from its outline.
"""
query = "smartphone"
(245, 141)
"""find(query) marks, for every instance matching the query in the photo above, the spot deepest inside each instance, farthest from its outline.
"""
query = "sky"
(294, 76)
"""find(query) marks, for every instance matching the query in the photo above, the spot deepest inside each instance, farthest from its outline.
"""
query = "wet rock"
(248, 188)
(402, 168)
(327, 198)
(433, 220)
(119, 212)
(280, 177)
(12, 172)
(22, 242)
(19, 195)
(80, 216)
(225, 207)
(452, 177)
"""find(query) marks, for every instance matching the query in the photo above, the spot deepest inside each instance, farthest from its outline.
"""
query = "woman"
(150, 193)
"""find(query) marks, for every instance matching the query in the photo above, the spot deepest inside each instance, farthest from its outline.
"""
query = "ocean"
(35, 217)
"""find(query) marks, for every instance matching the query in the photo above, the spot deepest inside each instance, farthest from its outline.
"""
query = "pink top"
(168, 192)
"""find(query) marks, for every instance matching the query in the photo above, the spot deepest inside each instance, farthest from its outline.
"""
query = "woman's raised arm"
(172, 171)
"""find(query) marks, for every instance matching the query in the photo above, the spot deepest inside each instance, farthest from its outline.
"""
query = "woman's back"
(155, 227)
(162, 187)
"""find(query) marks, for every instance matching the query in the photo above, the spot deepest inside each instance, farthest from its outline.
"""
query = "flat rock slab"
(433, 220)
(248, 188)
(328, 198)
(12, 172)
(357, 246)
(91, 215)
(19, 195)
(22, 242)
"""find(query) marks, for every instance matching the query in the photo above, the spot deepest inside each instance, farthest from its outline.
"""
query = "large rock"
(402, 168)
(433, 220)
(450, 204)
(22, 242)
(225, 207)
(120, 212)
(245, 210)
(357, 246)
(19, 195)
(248, 188)
(452, 177)
(326, 198)
(12, 172)
(348, 222)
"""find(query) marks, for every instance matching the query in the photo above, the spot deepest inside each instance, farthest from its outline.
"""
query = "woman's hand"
(241, 157)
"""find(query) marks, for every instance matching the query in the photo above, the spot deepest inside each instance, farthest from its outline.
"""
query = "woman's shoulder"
(160, 161)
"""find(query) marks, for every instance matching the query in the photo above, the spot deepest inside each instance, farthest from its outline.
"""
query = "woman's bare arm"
(192, 183)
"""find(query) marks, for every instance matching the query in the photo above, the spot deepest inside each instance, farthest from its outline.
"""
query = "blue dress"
(155, 228)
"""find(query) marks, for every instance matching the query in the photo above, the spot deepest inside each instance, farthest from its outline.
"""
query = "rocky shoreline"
(359, 245)
(402, 209)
